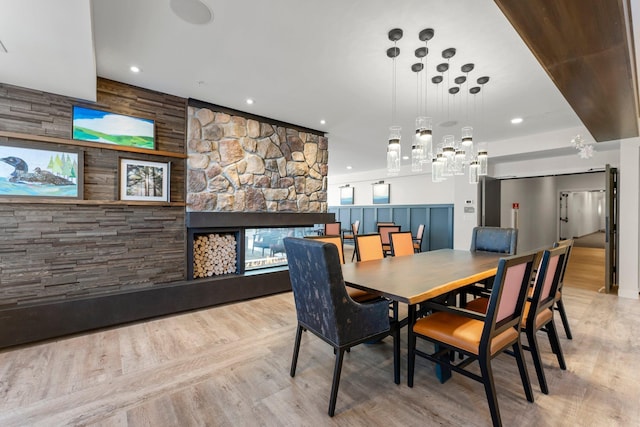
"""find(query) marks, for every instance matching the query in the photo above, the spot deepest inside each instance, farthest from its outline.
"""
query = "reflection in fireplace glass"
(264, 247)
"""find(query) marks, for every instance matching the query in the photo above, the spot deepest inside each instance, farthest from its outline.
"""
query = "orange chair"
(349, 235)
(538, 310)
(333, 229)
(479, 337)
(417, 241)
(401, 243)
(383, 231)
(559, 304)
(355, 294)
(368, 247)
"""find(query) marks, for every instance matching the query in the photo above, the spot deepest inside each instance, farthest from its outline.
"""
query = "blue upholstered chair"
(324, 308)
(494, 239)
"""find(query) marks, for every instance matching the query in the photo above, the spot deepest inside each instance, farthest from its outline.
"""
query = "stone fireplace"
(251, 181)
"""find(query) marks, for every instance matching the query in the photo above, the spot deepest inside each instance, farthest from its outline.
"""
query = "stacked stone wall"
(238, 164)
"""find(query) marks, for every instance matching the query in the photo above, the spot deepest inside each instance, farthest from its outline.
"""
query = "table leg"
(396, 352)
(411, 344)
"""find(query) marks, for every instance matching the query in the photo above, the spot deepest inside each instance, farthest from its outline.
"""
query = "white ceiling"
(302, 61)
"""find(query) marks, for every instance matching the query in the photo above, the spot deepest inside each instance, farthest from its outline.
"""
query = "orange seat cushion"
(461, 332)
(359, 295)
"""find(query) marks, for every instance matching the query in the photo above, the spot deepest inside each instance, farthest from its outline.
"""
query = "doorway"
(583, 219)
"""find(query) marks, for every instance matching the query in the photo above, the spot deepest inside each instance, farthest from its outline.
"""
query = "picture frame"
(143, 180)
(380, 194)
(92, 125)
(36, 170)
(346, 195)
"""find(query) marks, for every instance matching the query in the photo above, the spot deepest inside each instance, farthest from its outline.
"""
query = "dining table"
(418, 278)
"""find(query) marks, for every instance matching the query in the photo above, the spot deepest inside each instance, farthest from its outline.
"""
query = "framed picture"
(36, 170)
(146, 181)
(110, 128)
(346, 195)
(380, 194)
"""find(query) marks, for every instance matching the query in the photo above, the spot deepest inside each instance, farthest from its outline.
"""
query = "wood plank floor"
(229, 366)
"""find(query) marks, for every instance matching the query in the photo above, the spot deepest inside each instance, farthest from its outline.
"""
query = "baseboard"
(31, 323)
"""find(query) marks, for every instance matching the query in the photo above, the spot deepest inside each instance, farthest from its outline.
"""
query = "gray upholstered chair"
(494, 239)
(324, 308)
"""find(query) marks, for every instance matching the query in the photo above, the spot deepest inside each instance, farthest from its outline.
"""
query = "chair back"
(494, 239)
(336, 240)
(547, 281)
(368, 247)
(568, 243)
(322, 303)
(332, 229)
(508, 296)
(418, 239)
(385, 230)
(401, 243)
(378, 224)
(355, 226)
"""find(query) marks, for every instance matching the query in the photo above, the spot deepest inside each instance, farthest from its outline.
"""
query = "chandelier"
(451, 156)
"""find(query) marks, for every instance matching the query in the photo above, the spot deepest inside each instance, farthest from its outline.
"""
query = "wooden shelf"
(87, 144)
(62, 201)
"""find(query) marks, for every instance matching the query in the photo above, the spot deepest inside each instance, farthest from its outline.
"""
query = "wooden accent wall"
(583, 46)
(53, 252)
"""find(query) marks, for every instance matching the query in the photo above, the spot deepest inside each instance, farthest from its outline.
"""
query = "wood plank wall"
(53, 252)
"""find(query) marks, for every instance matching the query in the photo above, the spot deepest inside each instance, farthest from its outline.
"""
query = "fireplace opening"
(264, 247)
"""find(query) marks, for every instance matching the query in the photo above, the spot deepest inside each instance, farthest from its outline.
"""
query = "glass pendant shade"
(473, 172)
(458, 162)
(394, 151)
(467, 137)
(417, 155)
(483, 162)
(436, 170)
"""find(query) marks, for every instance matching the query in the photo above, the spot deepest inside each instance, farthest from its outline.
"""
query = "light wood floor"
(586, 268)
(229, 366)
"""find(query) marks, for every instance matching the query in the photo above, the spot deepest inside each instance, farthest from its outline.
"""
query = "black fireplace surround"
(37, 322)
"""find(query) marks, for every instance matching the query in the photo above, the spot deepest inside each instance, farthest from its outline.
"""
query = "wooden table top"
(426, 275)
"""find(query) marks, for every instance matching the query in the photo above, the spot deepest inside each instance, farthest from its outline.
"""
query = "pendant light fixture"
(452, 156)
(417, 148)
(394, 152)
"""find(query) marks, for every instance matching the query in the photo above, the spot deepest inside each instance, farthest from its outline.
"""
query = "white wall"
(628, 225)
(405, 189)
(539, 198)
(537, 213)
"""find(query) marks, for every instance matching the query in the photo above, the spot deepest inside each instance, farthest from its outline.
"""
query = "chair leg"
(537, 361)
(563, 317)
(552, 333)
(490, 390)
(336, 381)
(296, 348)
(524, 374)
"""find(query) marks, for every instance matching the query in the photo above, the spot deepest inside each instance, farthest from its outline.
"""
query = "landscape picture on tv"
(110, 128)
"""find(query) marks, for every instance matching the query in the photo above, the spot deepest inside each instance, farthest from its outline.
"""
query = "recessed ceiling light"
(250, 101)
(405, 157)
(516, 120)
(323, 122)
(134, 69)
(349, 167)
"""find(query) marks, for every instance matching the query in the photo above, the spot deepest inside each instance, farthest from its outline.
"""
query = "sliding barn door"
(611, 229)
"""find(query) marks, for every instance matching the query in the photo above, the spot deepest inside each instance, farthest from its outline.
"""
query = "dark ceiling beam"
(583, 46)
